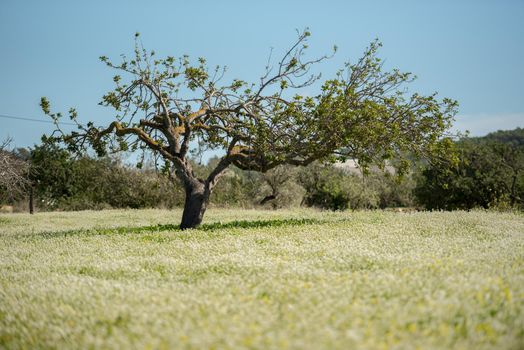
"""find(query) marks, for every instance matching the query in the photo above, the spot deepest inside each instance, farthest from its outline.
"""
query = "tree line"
(489, 174)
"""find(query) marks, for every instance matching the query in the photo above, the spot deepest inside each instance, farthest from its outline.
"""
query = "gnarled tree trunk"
(197, 198)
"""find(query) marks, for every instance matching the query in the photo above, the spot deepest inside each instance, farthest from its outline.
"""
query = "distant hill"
(514, 137)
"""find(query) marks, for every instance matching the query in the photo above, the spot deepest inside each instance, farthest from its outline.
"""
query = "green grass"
(297, 279)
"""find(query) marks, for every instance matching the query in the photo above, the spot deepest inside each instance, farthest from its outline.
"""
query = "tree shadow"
(211, 227)
(257, 224)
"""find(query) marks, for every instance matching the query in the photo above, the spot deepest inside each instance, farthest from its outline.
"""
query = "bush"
(65, 183)
(333, 188)
(489, 174)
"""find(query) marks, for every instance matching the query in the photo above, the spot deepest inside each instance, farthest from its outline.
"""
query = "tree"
(326, 187)
(170, 105)
(53, 174)
(14, 172)
(511, 158)
(489, 173)
(509, 146)
(280, 187)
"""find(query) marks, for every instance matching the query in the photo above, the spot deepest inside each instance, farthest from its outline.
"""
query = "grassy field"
(263, 280)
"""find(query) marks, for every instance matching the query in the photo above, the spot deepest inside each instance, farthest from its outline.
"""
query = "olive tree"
(171, 106)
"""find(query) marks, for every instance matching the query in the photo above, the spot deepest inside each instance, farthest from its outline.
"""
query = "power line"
(33, 119)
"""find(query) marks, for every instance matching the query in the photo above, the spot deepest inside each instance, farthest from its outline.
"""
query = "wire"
(33, 120)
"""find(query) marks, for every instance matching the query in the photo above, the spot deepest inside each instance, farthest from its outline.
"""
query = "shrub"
(489, 174)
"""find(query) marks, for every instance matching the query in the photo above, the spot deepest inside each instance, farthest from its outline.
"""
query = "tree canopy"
(172, 105)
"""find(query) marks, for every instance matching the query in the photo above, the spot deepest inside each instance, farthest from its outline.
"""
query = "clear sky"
(468, 50)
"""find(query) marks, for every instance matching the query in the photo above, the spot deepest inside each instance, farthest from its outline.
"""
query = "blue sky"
(471, 51)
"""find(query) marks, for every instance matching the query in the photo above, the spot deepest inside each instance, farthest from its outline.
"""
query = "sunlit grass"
(297, 279)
